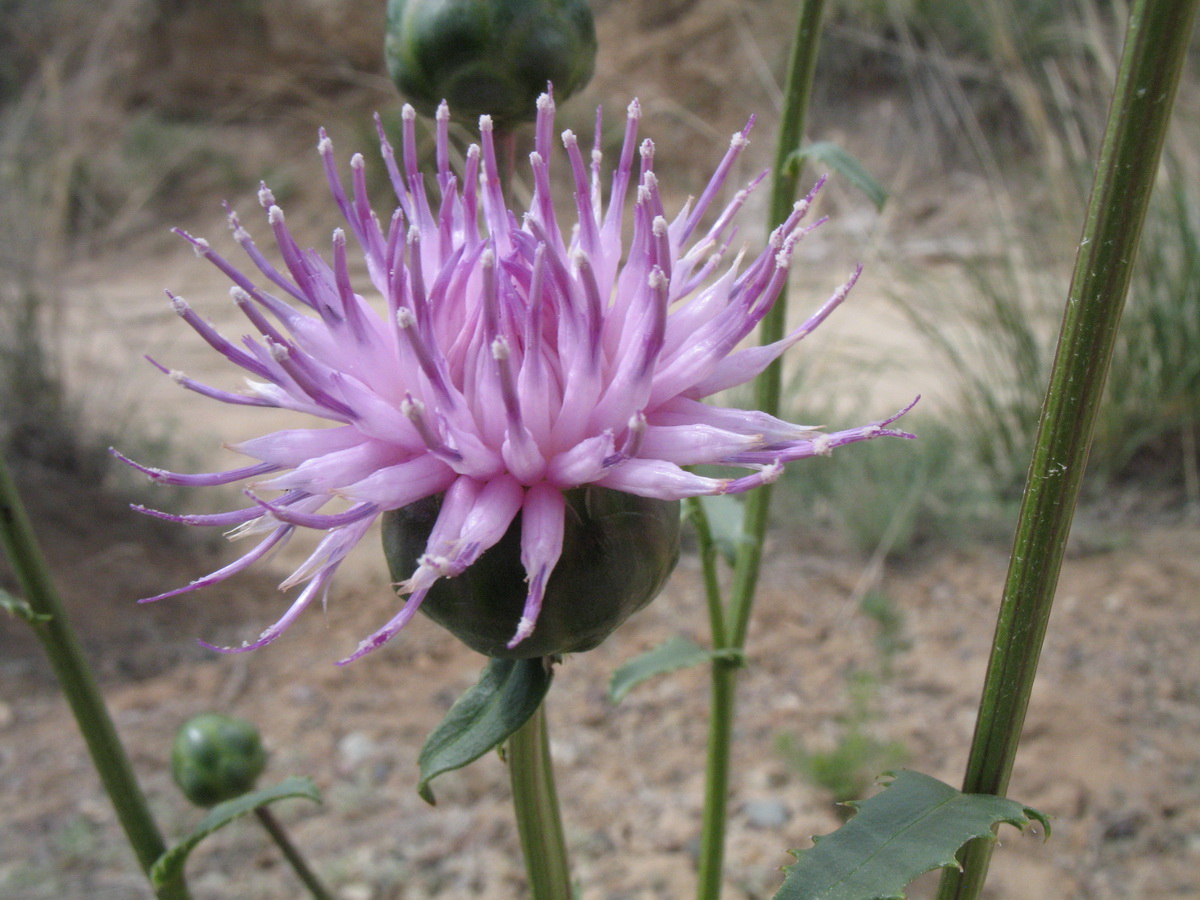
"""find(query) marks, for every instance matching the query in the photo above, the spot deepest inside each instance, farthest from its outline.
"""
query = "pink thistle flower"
(502, 365)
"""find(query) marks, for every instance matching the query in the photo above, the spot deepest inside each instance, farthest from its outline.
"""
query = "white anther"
(405, 317)
(500, 348)
(324, 145)
(568, 138)
(659, 226)
(275, 215)
(738, 141)
(407, 113)
(201, 247)
(485, 124)
(265, 197)
(240, 297)
(179, 305)
(357, 161)
(443, 111)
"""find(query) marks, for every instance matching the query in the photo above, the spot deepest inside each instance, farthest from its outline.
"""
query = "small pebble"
(766, 814)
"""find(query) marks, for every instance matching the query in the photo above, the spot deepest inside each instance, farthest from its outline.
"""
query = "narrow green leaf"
(170, 865)
(915, 825)
(508, 692)
(726, 517)
(834, 157)
(20, 609)
(676, 652)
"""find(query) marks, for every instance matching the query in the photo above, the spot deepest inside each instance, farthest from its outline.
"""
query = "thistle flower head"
(496, 362)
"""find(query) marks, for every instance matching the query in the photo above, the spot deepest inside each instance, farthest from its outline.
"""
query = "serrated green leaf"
(676, 652)
(169, 867)
(21, 609)
(506, 695)
(832, 155)
(915, 825)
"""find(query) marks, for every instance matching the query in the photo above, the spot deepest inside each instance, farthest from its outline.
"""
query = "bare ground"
(1110, 749)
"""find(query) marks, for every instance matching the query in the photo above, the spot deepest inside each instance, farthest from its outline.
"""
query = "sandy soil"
(1110, 749)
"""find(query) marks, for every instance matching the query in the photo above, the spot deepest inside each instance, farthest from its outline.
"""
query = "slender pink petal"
(542, 518)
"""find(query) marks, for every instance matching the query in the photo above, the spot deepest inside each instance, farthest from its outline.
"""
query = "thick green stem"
(291, 854)
(78, 684)
(768, 389)
(1155, 48)
(535, 801)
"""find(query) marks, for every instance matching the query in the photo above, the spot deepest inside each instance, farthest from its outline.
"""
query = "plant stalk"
(768, 388)
(291, 854)
(78, 684)
(535, 801)
(1155, 49)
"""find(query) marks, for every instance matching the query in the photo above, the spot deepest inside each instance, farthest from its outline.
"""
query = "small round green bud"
(489, 57)
(216, 758)
(618, 551)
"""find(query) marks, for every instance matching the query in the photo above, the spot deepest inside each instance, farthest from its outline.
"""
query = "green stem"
(293, 856)
(535, 802)
(1155, 49)
(768, 390)
(708, 563)
(79, 685)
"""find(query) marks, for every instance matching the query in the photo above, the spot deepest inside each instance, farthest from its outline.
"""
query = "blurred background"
(122, 119)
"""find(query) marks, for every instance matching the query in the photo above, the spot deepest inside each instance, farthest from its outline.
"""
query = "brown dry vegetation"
(148, 114)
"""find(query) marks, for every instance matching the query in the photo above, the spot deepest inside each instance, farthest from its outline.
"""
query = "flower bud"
(618, 550)
(216, 758)
(491, 57)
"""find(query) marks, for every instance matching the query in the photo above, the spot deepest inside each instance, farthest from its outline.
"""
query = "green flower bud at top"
(618, 551)
(216, 758)
(490, 57)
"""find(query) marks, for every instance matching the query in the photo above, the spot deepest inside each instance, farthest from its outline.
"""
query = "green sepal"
(21, 609)
(676, 652)
(169, 866)
(836, 158)
(508, 692)
(915, 825)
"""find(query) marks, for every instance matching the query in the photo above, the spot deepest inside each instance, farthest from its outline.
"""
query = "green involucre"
(618, 551)
(489, 57)
(216, 758)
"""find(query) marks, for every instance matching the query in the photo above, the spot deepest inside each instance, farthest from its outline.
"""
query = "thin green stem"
(78, 684)
(768, 390)
(708, 563)
(535, 802)
(293, 856)
(1155, 49)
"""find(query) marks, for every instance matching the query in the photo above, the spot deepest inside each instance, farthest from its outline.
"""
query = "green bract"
(618, 550)
(216, 758)
(489, 57)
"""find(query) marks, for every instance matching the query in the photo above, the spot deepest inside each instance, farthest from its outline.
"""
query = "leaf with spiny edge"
(168, 868)
(508, 692)
(836, 158)
(676, 652)
(915, 825)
